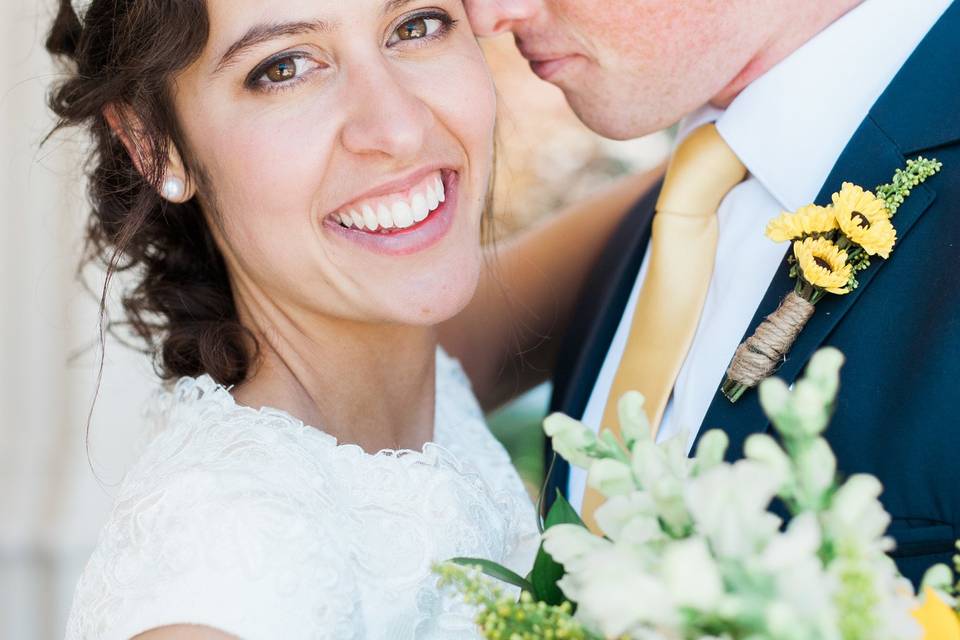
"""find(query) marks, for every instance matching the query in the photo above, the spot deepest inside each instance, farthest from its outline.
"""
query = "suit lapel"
(869, 159)
(590, 334)
(611, 282)
(898, 124)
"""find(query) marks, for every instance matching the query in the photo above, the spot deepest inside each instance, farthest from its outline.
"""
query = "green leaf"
(544, 577)
(495, 570)
(561, 512)
(546, 571)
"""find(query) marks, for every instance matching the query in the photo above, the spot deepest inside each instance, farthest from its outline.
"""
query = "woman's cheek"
(266, 189)
(278, 171)
(461, 91)
(481, 103)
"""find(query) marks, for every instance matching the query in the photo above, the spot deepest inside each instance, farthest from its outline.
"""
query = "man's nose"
(492, 17)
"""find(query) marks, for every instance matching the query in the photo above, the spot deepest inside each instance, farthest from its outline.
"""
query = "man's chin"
(610, 120)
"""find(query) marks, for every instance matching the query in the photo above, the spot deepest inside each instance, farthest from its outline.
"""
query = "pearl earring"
(173, 189)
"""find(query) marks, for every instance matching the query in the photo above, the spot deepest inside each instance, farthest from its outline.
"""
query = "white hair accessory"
(80, 8)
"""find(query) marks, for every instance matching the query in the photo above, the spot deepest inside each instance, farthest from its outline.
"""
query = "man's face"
(630, 67)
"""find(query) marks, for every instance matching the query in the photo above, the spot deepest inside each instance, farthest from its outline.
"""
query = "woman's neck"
(365, 384)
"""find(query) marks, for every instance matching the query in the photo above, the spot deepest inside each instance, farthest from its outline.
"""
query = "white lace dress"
(253, 523)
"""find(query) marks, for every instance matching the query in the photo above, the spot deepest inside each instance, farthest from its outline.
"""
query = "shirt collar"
(790, 125)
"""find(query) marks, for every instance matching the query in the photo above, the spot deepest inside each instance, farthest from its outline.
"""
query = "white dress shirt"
(788, 127)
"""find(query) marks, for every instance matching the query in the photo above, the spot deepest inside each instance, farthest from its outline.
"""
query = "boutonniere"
(831, 245)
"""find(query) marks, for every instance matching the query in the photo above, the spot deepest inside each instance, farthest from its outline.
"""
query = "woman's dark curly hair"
(121, 60)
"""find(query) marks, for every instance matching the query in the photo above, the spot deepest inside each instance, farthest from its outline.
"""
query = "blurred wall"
(52, 504)
(53, 498)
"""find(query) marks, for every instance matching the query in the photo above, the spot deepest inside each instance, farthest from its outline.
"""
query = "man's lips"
(546, 64)
(549, 68)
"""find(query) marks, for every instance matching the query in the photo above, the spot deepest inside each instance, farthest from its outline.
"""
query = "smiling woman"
(297, 189)
(301, 186)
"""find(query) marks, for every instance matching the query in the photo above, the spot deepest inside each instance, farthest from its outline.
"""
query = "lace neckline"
(203, 394)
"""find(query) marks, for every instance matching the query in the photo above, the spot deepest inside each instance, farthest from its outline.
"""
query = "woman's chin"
(428, 306)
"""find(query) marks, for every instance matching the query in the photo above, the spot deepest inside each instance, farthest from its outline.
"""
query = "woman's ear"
(174, 184)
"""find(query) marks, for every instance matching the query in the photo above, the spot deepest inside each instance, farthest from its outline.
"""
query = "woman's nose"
(387, 116)
(493, 17)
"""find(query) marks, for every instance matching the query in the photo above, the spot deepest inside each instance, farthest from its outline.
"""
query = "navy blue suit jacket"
(898, 414)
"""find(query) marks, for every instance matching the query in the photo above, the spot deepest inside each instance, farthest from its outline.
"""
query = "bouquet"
(692, 549)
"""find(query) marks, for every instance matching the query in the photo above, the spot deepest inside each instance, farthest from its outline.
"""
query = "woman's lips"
(417, 237)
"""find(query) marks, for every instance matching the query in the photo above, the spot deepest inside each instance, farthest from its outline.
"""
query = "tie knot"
(702, 171)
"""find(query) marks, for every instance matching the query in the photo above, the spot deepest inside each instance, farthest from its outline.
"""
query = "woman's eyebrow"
(258, 34)
(394, 5)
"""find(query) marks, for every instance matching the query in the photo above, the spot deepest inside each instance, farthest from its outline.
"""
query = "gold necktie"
(683, 248)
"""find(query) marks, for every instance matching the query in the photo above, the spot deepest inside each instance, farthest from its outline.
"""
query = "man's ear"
(174, 183)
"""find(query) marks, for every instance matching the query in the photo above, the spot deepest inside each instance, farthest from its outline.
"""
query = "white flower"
(710, 450)
(874, 577)
(570, 438)
(571, 545)
(642, 533)
(634, 424)
(728, 504)
(691, 541)
(803, 591)
(855, 524)
(652, 463)
(804, 596)
(856, 514)
(617, 593)
(824, 371)
(939, 577)
(611, 478)
(797, 413)
(774, 396)
(816, 472)
(806, 410)
(661, 469)
(764, 449)
(691, 574)
(782, 621)
(896, 609)
(799, 543)
(619, 511)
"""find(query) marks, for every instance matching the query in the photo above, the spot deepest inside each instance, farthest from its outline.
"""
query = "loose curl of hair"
(180, 303)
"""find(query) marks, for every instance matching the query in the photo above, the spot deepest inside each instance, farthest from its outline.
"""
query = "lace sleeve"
(218, 548)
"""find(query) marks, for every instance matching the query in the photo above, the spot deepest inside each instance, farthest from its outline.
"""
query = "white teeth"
(357, 219)
(419, 206)
(384, 217)
(370, 218)
(402, 215)
(432, 200)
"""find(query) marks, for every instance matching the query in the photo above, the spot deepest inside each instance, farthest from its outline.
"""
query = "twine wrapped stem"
(760, 355)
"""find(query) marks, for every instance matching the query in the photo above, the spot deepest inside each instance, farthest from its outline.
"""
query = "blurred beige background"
(53, 501)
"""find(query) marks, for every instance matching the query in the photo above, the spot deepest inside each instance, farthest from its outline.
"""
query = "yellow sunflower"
(823, 264)
(806, 221)
(864, 219)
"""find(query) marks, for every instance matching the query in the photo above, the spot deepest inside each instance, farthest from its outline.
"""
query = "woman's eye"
(416, 29)
(281, 72)
(284, 69)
